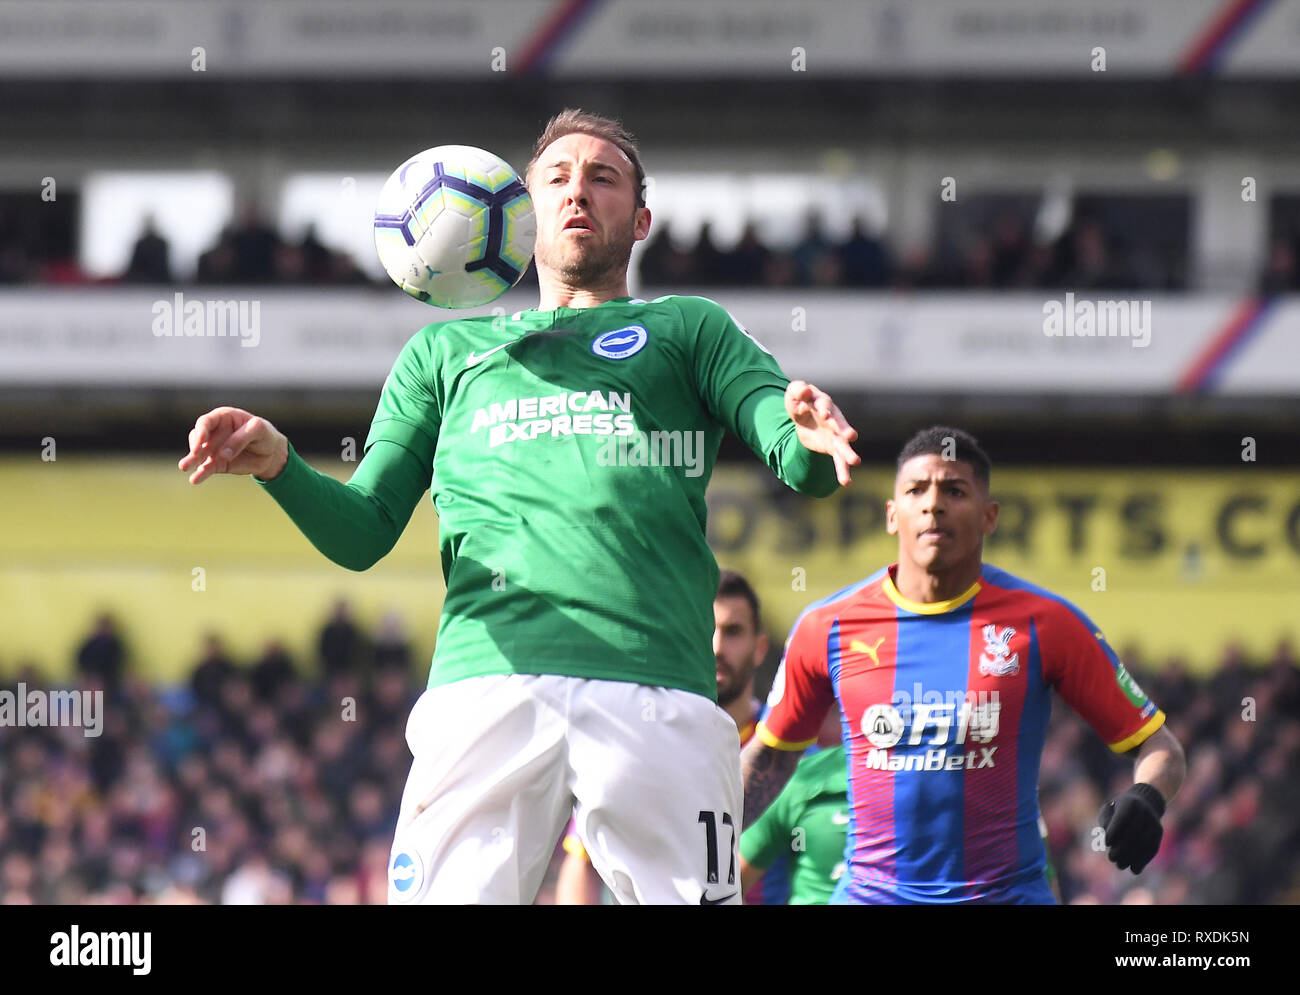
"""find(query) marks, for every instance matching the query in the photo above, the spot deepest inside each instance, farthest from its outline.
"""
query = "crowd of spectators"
(249, 252)
(249, 784)
(1282, 268)
(1005, 257)
(1002, 254)
(1232, 835)
(271, 782)
(816, 259)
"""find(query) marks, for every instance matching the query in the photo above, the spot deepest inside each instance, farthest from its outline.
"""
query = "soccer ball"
(454, 226)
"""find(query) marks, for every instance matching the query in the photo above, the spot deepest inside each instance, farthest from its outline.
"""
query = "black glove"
(1132, 824)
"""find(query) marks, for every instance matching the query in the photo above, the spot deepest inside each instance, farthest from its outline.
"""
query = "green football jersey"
(808, 821)
(570, 451)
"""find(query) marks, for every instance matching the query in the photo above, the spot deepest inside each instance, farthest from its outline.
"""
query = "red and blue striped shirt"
(945, 711)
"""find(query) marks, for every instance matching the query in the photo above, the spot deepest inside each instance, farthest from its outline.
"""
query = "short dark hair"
(940, 440)
(734, 585)
(571, 121)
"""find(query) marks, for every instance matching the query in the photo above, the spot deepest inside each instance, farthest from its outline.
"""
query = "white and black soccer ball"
(454, 226)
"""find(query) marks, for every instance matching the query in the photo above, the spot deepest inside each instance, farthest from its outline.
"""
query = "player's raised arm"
(794, 428)
(821, 426)
(231, 440)
(354, 524)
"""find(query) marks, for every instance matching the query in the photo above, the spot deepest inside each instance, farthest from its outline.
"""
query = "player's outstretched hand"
(821, 427)
(1132, 824)
(230, 440)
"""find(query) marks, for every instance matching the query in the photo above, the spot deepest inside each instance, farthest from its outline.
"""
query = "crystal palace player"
(943, 667)
(572, 671)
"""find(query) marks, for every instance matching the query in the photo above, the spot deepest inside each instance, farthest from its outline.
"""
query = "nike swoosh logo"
(840, 819)
(706, 900)
(473, 360)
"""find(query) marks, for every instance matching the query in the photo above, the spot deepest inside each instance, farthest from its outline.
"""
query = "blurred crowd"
(266, 782)
(1086, 256)
(250, 251)
(251, 784)
(1003, 254)
(1282, 270)
(1232, 835)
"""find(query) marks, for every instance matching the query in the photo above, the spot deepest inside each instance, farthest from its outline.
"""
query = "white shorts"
(650, 774)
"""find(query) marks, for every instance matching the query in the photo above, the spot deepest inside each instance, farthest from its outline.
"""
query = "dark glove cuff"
(1151, 795)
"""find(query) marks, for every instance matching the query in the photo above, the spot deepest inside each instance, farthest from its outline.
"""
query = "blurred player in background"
(943, 667)
(572, 672)
(805, 826)
(739, 647)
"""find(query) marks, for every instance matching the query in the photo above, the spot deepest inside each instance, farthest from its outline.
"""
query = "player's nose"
(577, 191)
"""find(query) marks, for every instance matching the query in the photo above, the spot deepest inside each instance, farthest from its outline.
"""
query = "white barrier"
(950, 342)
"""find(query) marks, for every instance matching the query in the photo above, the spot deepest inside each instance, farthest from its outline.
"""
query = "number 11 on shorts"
(710, 820)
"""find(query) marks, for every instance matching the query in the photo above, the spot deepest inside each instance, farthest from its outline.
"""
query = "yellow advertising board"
(1177, 562)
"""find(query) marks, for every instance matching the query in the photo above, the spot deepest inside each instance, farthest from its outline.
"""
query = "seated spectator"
(663, 264)
(102, 656)
(977, 264)
(272, 672)
(706, 258)
(341, 645)
(211, 672)
(1280, 274)
(315, 256)
(743, 265)
(1011, 253)
(865, 260)
(149, 258)
(813, 244)
(254, 243)
(392, 646)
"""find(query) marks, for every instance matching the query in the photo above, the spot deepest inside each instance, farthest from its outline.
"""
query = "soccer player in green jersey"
(568, 448)
(808, 821)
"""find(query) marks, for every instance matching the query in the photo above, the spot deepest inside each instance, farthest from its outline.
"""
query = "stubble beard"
(592, 266)
(729, 689)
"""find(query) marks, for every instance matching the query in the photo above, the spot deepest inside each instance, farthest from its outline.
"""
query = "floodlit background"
(892, 195)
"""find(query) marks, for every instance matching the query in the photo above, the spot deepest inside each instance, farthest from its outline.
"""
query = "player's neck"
(556, 293)
(926, 588)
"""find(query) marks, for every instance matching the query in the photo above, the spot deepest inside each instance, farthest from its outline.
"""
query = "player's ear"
(990, 517)
(891, 518)
(760, 648)
(641, 223)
